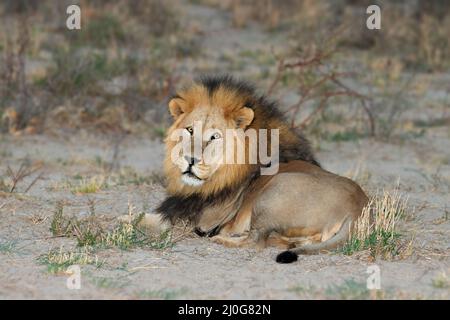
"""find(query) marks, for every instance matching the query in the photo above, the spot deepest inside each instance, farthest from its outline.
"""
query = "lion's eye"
(190, 130)
(215, 136)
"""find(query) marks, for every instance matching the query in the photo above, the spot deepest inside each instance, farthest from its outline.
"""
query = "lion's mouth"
(190, 174)
(189, 178)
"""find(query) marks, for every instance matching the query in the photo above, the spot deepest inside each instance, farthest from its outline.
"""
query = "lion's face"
(201, 154)
(197, 140)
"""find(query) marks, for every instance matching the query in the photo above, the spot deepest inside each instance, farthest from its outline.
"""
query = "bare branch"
(318, 81)
(25, 170)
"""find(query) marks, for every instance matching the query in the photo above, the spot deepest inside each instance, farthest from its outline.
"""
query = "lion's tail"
(340, 237)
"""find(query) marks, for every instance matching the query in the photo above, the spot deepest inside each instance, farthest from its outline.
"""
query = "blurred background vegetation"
(321, 62)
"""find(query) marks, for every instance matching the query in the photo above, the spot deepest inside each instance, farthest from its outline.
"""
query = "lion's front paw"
(233, 241)
(154, 223)
(218, 239)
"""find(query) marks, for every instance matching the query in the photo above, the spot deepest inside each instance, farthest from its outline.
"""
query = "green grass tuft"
(59, 226)
(442, 281)
(90, 233)
(8, 246)
(348, 290)
(162, 294)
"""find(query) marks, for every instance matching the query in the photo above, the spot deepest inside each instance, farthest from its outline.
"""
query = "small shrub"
(77, 72)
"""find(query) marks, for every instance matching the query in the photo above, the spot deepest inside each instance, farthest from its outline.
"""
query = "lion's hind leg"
(289, 242)
(277, 240)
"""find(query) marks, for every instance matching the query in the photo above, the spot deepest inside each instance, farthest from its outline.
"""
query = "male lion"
(234, 203)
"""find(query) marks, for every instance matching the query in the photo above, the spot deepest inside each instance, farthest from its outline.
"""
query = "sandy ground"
(195, 268)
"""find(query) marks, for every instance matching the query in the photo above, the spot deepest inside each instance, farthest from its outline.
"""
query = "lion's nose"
(192, 161)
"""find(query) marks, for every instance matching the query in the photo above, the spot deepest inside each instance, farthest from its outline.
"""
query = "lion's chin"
(191, 180)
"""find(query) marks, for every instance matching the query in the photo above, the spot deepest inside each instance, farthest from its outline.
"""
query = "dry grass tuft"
(376, 230)
(58, 260)
(92, 185)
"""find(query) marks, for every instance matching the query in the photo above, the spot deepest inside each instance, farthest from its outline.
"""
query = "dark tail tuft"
(287, 257)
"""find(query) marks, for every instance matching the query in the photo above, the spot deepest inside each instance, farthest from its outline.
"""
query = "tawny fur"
(302, 204)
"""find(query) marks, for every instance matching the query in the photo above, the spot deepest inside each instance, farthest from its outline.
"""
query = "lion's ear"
(244, 117)
(177, 107)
